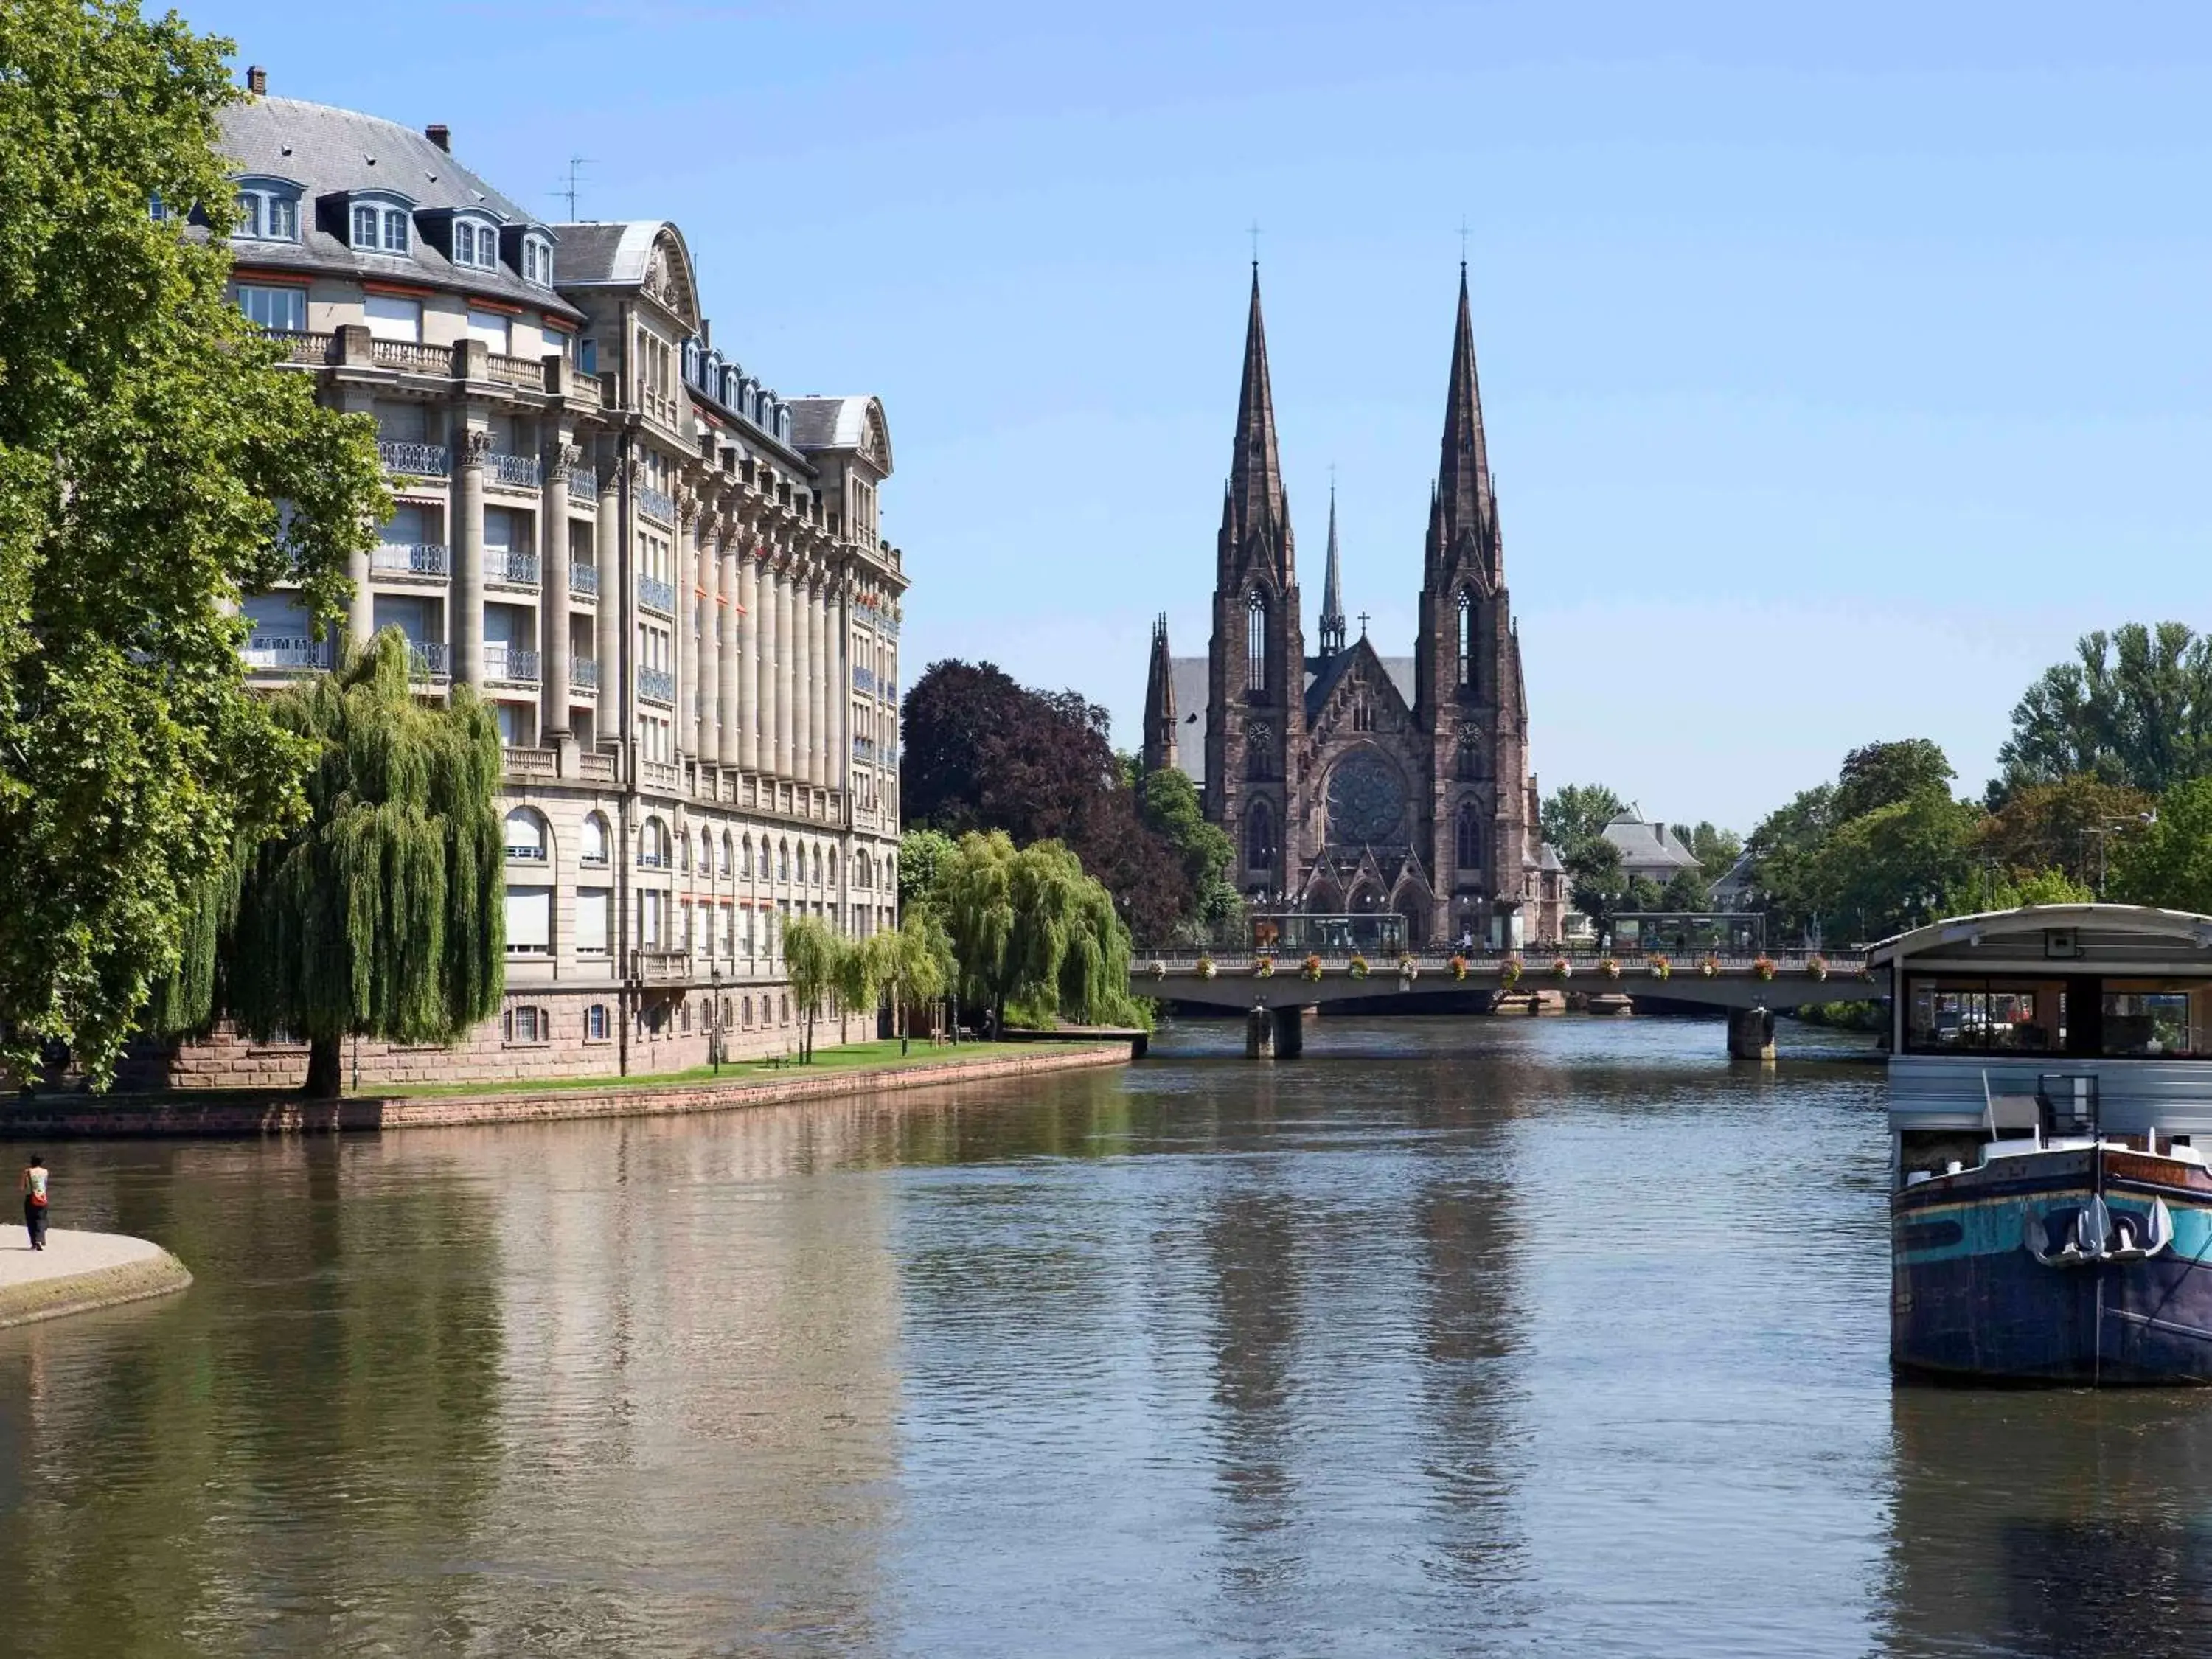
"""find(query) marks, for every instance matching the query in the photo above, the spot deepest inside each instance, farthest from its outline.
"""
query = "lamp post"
(2103, 830)
(714, 1022)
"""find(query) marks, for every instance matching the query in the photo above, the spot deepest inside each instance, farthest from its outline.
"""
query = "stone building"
(667, 578)
(1349, 780)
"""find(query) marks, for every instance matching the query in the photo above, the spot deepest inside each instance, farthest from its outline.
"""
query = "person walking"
(34, 1200)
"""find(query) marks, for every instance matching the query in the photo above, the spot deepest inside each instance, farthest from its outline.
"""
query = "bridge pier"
(1274, 1033)
(1260, 1034)
(1750, 1033)
(1290, 1033)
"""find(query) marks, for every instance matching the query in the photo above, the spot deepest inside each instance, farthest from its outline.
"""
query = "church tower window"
(1255, 642)
(1465, 623)
(1467, 850)
(1260, 838)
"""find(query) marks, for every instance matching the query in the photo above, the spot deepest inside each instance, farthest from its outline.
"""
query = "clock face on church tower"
(1366, 801)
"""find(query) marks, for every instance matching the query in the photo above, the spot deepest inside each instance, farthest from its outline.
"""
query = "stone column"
(783, 672)
(465, 623)
(553, 585)
(607, 553)
(818, 620)
(802, 675)
(729, 703)
(683, 575)
(749, 648)
(841, 691)
(711, 610)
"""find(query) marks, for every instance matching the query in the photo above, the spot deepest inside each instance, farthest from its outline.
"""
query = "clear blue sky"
(1839, 371)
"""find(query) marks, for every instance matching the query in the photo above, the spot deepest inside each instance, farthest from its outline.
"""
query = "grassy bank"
(872, 1056)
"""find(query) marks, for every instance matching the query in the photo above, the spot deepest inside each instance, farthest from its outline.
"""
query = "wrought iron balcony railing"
(515, 663)
(656, 595)
(584, 579)
(583, 485)
(410, 559)
(517, 568)
(583, 674)
(656, 685)
(287, 651)
(429, 659)
(520, 471)
(656, 503)
(412, 460)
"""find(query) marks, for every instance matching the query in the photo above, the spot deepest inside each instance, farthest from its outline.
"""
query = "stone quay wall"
(82, 1117)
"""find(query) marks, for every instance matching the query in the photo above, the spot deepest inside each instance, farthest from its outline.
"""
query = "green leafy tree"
(380, 912)
(922, 853)
(1716, 850)
(810, 953)
(1883, 774)
(1993, 887)
(1028, 926)
(913, 962)
(1596, 881)
(147, 437)
(2134, 708)
(1784, 848)
(2074, 824)
(1890, 868)
(1577, 812)
(2169, 864)
(856, 973)
(1170, 804)
(1686, 889)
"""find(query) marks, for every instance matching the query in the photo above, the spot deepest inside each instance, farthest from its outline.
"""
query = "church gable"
(1355, 693)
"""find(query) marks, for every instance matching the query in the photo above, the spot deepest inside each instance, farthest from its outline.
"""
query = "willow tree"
(146, 437)
(382, 912)
(810, 963)
(913, 962)
(1028, 926)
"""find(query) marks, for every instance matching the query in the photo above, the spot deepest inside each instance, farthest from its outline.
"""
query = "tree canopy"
(2169, 863)
(2133, 708)
(147, 439)
(1576, 812)
(379, 913)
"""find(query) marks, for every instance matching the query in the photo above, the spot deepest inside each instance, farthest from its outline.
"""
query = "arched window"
(745, 1008)
(1466, 636)
(652, 846)
(595, 1022)
(1260, 837)
(729, 855)
(1466, 852)
(833, 867)
(593, 843)
(817, 867)
(745, 853)
(1255, 642)
(890, 871)
(683, 844)
(860, 869)
(525, 835)
(783, 860)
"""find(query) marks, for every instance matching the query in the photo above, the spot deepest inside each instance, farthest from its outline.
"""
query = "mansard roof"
(856, 424)
(649, 255)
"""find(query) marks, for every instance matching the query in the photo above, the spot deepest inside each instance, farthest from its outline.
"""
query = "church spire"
(1332, 590)
(1463, 487)
(1255, 508)
(1159, 703)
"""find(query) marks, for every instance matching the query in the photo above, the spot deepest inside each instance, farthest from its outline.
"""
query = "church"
(1348, 781)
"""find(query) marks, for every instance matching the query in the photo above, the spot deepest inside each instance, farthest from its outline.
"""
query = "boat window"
(2149, 1018)
(1984, 1015)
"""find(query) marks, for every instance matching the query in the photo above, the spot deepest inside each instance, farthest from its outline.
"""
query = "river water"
(1555, 1336)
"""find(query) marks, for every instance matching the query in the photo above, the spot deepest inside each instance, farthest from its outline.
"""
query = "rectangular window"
(490, 327)
(274, 308)
(364, 227)
(248, 214)
(2157, 1020)
(283, 224)
(1984, 1015)
(595, 1022)
(593, 906)
(652, 919)
(390, 317)
(395, 231)
(529, 920)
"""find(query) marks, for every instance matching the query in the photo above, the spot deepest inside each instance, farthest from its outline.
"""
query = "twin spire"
(1462, 510)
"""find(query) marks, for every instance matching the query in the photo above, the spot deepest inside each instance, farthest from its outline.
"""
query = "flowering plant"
(1610, 967)
(1659, 967)
(1562, 969)
(1763, 966)
(1205, 967)
(1459, 967)
(1817, 966)
(1263, 968)
(1309, 968)
(1709, 966)
(1406, 969)
(1508, 971)
(1358, 969)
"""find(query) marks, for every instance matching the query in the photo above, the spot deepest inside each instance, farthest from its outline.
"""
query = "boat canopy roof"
(2083, 938)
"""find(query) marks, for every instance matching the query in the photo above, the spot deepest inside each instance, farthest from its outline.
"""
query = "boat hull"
(1970, 1298)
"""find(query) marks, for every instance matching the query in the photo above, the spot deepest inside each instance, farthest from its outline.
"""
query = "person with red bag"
(34, 1200)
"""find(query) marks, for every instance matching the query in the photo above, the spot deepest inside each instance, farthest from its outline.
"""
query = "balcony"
(515, 471)
(516, 371)
(864, 679)
(659, 965)
(666, 776)
(657, 686)
(529, 765)
(601, 766)
(584, 580)
(429, 659)
(517, 567)
(585, 389)
(301, 347)
(656, 503)
(583, 673)
(513, 665)
(410, 559)
(411, 461)
(412, 357)
(583, 485)
(655, 594)
(287, 652)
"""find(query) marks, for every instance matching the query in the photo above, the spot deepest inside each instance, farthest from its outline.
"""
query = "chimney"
(256, 80)
(440, 135)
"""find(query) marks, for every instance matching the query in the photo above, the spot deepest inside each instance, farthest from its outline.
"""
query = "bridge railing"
(1537, 967)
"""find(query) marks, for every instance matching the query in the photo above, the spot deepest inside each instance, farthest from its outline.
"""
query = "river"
(1543, 1336)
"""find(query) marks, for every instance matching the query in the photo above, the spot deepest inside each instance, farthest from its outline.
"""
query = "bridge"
(1273, 989)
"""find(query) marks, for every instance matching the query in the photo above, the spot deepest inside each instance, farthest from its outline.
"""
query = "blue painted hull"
(1969, 1299)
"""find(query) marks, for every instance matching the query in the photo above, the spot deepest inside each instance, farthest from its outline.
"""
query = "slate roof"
(829, 422)
(1647, 849)
(326, 150)
(1189, 674)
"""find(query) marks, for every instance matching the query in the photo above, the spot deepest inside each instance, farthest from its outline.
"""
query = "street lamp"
(2103, 830)
(714, 1022)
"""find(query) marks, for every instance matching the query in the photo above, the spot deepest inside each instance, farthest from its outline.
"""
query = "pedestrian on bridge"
(34, 1200)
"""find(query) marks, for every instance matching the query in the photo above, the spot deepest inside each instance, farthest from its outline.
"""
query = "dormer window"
(476, 244)
(538, 261)
(266, 213)
(381, 227)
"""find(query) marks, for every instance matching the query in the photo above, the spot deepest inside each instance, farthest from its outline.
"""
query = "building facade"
(1350, 781)
(667, 580)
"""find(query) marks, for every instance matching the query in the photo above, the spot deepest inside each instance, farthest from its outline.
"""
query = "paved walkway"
(78, 1271)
